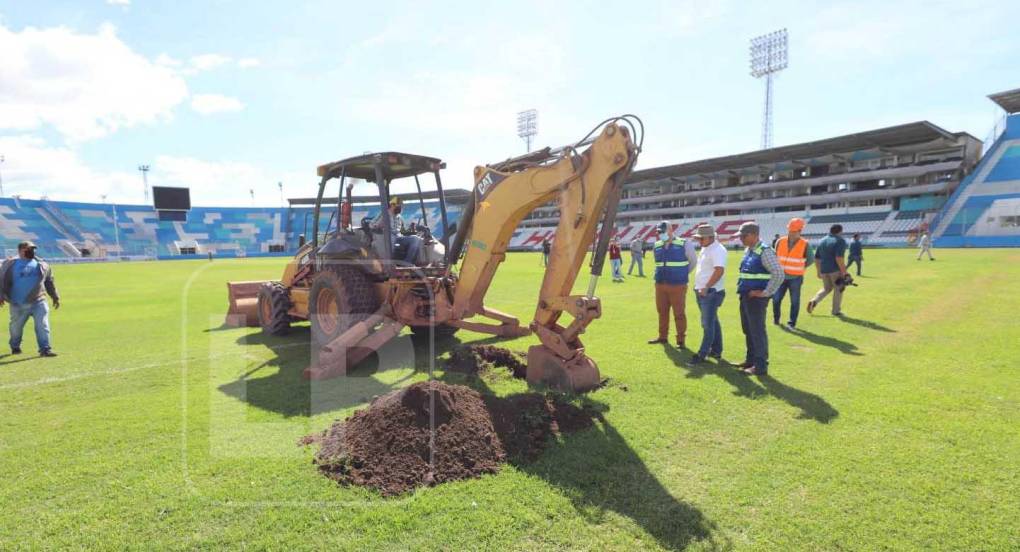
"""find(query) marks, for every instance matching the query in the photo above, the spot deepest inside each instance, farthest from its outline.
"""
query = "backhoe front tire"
(274, 306)
(341, 296)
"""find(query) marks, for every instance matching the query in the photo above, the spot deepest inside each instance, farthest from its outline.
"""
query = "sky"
(231, 98)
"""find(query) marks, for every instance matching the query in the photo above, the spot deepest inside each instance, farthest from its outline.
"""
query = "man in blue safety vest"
(761, 275)
(674, 258)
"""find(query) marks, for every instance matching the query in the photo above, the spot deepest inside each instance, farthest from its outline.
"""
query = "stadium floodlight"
(144, 169)
(769, 55)
(527, 125)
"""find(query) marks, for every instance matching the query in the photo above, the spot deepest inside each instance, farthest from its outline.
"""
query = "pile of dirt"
(387, 445)
(476, 359)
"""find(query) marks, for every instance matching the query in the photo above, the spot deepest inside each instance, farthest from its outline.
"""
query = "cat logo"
(488, 181)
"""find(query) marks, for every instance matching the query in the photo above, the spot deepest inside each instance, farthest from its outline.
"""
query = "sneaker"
(744, 365)
(932, 259)
(657, 340)
(839, 314)
(792, 325)
(717, 356)
(697, 359)
(810, 307)
(47, 353)
(752, 371)
(680, 344)
(15, 350)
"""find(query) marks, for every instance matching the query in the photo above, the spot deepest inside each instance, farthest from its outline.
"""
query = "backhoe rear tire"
(341, 296)
(273, 308)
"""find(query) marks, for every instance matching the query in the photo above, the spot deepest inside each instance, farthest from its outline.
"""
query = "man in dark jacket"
(24, 283)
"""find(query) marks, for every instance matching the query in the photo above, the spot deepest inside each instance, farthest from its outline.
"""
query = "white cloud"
(167, 61)
(215, 103)
(245, 63)
(206, 62)
(33, 169)
(119, 2)
(84, 85)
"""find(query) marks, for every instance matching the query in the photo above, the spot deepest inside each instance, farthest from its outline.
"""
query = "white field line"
(71, 377)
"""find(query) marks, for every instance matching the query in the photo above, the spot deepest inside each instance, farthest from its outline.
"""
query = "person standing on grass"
(925, 245)
(616, 260)
(795, 254)
(637, 256)
(761, 275)
(24, 281)
(856, 254)
(710, 292)
(830, 268)
(673, 258)
(546, 248)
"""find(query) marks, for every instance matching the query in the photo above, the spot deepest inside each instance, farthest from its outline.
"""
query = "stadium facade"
(886, 184)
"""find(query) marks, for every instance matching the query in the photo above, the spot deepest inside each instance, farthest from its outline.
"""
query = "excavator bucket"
(244, 303)
(578, 374)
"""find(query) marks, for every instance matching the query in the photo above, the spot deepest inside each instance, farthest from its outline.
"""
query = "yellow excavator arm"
(586, 187)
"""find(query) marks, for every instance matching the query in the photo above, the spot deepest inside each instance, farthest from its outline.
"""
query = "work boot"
(16, 350)
(657, 340)
(810, 306)
(47, 353)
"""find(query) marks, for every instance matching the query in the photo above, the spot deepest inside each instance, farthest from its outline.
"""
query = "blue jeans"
(617, 265)
(792, 284)
(752, 321)
(636, 260)
(40, 311)
(413, 244)
(711, 334)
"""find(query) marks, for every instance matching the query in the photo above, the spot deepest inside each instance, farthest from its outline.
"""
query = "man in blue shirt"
(856, 254)
(830, 267)
(674, 258)
(22, 283)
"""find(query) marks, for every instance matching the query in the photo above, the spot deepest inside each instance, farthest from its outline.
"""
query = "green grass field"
(896, 428)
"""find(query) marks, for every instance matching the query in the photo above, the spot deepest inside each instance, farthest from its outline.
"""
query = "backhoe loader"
(357, 296)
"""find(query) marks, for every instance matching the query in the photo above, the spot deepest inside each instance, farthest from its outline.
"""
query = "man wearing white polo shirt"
(709, 291)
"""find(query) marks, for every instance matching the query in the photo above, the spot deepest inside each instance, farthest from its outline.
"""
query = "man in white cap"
(673, 259)
(761, 275)
(709, 291)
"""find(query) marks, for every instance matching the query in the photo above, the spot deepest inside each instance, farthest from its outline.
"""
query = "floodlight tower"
(768, 56)
(527, 125)
(144, 169)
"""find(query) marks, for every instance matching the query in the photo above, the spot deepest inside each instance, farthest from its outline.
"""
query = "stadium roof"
(452, 195)
(1008, 100)
(890, 137)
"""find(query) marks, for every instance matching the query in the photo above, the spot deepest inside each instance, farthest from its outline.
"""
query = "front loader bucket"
(244, 303)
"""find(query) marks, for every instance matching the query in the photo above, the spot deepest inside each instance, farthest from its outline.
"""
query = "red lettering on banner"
(729, 228)
(537, 237)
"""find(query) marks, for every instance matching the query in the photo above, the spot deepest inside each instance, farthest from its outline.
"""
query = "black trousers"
(752, 321)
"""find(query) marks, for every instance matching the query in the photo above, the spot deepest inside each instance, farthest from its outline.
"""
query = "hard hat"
(796, 224)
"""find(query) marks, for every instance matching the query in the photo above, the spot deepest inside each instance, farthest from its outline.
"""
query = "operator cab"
(399, 243)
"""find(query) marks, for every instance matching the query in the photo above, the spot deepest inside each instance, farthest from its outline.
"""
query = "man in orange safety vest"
(795, 255)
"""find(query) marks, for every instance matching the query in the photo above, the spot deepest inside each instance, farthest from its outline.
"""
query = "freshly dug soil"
(475, 359)
(386, 446)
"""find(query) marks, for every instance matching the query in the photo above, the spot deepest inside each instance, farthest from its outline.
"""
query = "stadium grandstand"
(89, 231)
(887, 184)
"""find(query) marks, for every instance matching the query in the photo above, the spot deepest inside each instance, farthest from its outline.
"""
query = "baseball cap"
(26, 245)
(749, 228)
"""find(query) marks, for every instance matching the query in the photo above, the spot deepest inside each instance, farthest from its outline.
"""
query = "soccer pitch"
(895, 428)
